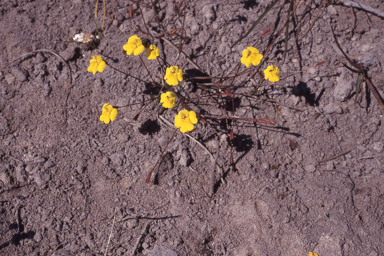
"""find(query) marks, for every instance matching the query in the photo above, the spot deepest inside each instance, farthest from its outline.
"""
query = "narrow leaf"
(257, 22)
(351, 69)
(287, 30)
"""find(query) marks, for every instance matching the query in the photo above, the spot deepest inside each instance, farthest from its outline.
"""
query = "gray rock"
(62, 252)
(149, 15)
(160, 251)
(41, 179)
(10, 79)
(88, 239)
(21, 75)
(370, 59)
(209, 13)
(310, 168)
(69, 53)
(38, 237)
(332, 108)
(185, 158)
(117, 159)
(193, 25)
(344, 86)
(49, 164)
(39, 58)
(47, 89)
(331, 10)
(20, 174)
(378, 146)
(5, 178)
(328, 245)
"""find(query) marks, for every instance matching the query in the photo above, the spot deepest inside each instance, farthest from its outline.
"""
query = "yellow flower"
(313, 254)
(173, 75)
(251, 56)
(185, 120)
(152, 52)
(272, 73)
(134, 45)
(168, 99)
(96, 64)
(108, 113)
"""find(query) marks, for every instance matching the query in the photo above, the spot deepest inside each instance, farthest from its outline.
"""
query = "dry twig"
(363, 7)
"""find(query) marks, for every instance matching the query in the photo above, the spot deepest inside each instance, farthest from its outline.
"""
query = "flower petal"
(192, 117)
(178, 121)
(139, 50)
(113, 114)
(252, 49)
(101, 66)
(245, 61)
(180, 75)
(257, 59)
(186, 127)
(245, 53)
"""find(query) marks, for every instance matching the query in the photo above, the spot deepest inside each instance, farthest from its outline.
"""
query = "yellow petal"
(129, 48)
(167, 104)
(184, 113)
(245, 53)
(172, 81)
(98, 59)
(245, 61)
(113, 114)
(133, 38)
(163, 97)
(186, 127)
(139, 50)
(253, 49)
(180, 75)
(178, 121)
(105, 119)
(192, 117)
(101, 66)
(257, 60)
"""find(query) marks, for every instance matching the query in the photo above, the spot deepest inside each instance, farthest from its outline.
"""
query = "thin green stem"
(93, 17)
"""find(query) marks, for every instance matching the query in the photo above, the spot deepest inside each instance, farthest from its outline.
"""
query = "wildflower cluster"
(185, 119)
(251, 56)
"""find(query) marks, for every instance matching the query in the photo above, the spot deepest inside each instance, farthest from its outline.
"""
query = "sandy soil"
(314, 182)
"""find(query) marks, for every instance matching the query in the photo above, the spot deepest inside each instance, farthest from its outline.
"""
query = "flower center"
(252, 55)
(134, 43)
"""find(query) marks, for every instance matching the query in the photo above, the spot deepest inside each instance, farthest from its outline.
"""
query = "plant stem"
(126, 73)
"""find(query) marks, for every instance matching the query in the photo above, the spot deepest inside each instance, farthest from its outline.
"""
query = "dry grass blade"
(358, 83)
(360, 69)
(110, 234)
(287, 31)
(363, 7)
(255, 24)
(185, 55)
(329, 159)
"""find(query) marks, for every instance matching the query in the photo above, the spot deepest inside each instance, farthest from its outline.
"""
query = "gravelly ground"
(314, 182)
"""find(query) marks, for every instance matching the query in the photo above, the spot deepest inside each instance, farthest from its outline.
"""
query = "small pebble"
(378, 146)
(332, 108)
(310, 168)
(21, 75)
(10, 79)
